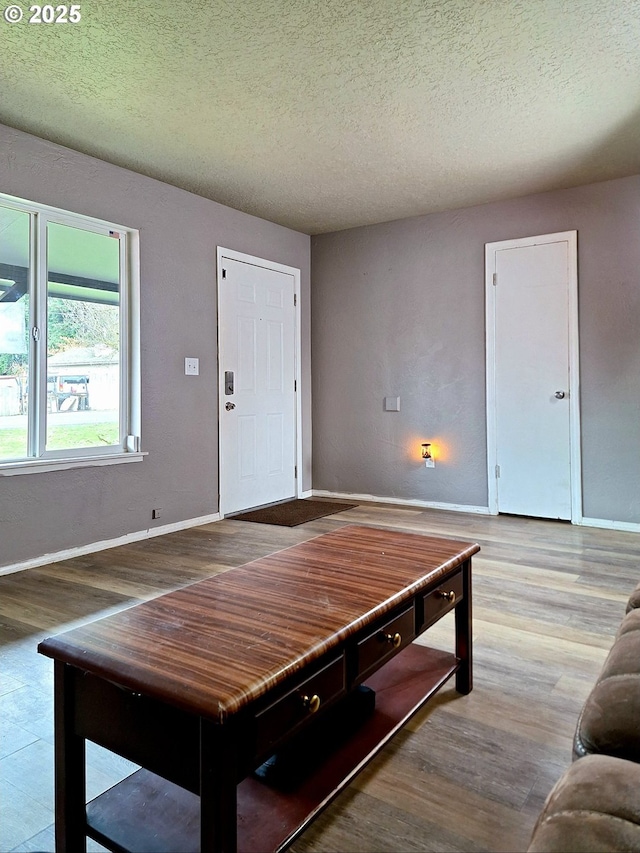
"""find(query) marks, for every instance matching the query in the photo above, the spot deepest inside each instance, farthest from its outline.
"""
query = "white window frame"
(128, 450)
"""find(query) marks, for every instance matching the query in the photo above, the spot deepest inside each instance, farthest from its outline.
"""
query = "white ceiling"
(326, 114)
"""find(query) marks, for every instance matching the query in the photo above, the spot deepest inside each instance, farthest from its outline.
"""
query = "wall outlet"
(156, 513)
(192, 366)
(430, 463)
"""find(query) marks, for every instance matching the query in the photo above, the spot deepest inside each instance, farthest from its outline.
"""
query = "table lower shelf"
(147, 814)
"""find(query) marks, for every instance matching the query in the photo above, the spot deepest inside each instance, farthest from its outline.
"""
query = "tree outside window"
(65, 362)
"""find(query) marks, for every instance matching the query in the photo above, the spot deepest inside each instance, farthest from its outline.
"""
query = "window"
(68, 339)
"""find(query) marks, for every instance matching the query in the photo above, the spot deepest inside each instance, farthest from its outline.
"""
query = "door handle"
(560, 395)
(229, 406)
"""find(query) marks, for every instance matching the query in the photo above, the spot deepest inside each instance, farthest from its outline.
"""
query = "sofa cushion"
(630, 622)
(594, 806)
(634, 599)
(610, 719)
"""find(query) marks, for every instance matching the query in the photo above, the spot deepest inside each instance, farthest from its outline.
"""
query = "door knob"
(560, 395)
(229, 406)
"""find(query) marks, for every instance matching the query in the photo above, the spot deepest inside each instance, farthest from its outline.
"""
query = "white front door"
(531, 378)
(257, 332)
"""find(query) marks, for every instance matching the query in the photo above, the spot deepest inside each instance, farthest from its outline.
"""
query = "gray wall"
(398, 309)
(179, 232)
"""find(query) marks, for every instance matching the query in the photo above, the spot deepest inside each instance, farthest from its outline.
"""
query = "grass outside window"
(61, 436)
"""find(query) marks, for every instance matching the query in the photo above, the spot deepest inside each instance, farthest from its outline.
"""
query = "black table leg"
(70, 803)
(464, 633)
(218, 789)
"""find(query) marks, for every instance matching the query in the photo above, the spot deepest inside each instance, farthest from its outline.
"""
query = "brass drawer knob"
(448, 596)
(393, 639)
(311, 703)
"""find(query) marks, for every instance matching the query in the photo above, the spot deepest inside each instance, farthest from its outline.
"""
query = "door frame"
(232, 255)
(571, 238)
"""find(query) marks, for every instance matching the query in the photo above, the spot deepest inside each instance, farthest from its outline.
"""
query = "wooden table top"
(218, 644)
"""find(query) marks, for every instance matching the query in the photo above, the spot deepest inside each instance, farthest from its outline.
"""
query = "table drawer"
(383, 643)
(442, 599)
(300, 705)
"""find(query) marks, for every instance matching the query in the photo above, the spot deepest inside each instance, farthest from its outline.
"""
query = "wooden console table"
(200, 686)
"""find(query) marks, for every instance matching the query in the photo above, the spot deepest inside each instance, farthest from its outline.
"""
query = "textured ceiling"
(325, 114)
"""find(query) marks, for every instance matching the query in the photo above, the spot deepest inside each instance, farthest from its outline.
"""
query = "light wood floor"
(470, 773)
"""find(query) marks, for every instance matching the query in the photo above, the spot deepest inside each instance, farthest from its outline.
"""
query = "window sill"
(35, 466)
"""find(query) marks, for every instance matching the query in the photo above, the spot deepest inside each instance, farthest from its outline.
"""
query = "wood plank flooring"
(469, 773)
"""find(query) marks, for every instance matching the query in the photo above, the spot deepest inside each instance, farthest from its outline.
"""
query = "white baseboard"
(606, 524)
(308, 493)
(108, 543)
(348, 496)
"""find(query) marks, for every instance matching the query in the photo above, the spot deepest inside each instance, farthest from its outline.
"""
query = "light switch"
(192, 366)
(392, 404)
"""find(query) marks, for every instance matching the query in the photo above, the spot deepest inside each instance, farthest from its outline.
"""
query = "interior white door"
(257, 375)
(532, 378)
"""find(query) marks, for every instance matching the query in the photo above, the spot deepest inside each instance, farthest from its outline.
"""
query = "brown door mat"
(292, 513)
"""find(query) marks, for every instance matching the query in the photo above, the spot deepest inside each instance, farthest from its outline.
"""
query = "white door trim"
(293, 271)
(571, 238)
